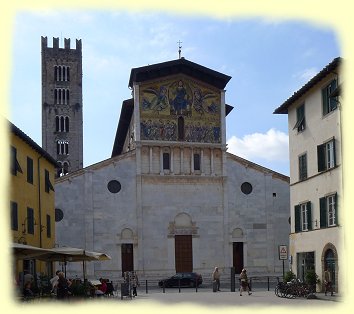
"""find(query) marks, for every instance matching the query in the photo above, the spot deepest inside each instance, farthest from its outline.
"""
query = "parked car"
(183, 280)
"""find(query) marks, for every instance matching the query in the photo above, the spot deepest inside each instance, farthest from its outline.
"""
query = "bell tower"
(62, 118)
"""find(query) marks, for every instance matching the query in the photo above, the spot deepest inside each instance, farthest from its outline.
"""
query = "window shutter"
(336, 209)
(309, 216)
(323, 212)
(321, 157)
(297, 218)
(334, 153)
(324, 101)
(333, 100)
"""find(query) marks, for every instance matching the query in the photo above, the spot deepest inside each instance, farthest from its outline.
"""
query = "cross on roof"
(179, 48)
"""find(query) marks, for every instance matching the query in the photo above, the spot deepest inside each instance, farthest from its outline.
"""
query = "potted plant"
(289, 275)
(311, 278)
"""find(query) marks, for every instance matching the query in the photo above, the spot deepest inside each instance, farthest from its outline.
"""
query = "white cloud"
(271, 146)
(306, 75)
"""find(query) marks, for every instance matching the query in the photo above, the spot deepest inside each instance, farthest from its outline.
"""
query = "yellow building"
(32, 211)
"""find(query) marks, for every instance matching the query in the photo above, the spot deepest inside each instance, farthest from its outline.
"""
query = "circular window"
(114, 186)
(246, 188)
(59, 215)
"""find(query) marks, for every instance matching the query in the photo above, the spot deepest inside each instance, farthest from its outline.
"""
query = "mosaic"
(164, 102)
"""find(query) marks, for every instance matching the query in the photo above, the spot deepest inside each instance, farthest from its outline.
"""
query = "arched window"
(62, 147)
(57, 125)
(55, 73)
(65, 167)
(67, 97)
(68, 74)
(66, 124)
(59, 76)
(166, 161)
(180, 128)
(62, 126)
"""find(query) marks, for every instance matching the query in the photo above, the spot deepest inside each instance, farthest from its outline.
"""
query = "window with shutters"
(49, 229)
(303, 217)
(326, 155)
(329, 103)
(328, 211)
(14, 216)
(15, 165)
(30, 220)
(300, 118)
(48, 185)
(303, 167)
(29, 170)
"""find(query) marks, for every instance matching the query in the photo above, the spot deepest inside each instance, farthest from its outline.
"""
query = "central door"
(183, 253)
(238, 256)
(127, 257)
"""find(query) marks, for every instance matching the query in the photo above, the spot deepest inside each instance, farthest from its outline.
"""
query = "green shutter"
(309, 216)
(334, 152)
(321, 157)
(336, 209)
(297, 218)
(324, 101)
(323, 212)
(333, 100)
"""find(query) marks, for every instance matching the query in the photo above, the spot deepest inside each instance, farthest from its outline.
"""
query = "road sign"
(283, 252)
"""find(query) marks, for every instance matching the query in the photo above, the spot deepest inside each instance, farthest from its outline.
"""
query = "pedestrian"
(244, 282)
(135, 283)
(216, 279)
(54, 282)
(328, 282)
(63, 286)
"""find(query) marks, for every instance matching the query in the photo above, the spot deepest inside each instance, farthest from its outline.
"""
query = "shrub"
(311, 278)
(289, 275)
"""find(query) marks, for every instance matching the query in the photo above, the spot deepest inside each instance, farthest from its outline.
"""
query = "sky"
(268, 61)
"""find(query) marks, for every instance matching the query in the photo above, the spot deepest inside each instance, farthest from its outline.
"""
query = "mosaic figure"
(159, 100)
(199, 102)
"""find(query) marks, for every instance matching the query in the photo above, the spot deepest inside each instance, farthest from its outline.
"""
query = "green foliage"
(311, 277)
(289, 275)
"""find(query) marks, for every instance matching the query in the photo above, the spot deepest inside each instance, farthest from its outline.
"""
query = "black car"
(182, 280)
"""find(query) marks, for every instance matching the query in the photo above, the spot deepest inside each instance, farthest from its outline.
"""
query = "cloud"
(306, 75)
(271, 146)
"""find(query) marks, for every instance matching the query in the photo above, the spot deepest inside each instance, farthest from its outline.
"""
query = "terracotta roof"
(23, 136)
(304, 89)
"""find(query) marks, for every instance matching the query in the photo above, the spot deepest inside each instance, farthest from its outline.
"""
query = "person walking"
(244, 282)
(135, 283)
(216, 279)
(328, 282)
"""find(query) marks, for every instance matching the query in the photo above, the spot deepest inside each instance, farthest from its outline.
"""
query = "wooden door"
(183, 253)
(238, 257)
(127, 257)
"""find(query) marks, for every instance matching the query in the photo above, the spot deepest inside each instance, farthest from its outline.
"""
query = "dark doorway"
(127, 258)
(330, 264)
(238, 256)
(183, 253)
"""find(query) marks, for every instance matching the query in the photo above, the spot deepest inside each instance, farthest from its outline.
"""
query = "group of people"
(60, 285)
(244, 284)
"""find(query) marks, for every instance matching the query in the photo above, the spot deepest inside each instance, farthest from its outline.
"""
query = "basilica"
(171, 198)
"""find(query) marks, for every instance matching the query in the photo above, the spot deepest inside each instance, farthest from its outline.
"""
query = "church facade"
(171, 198)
